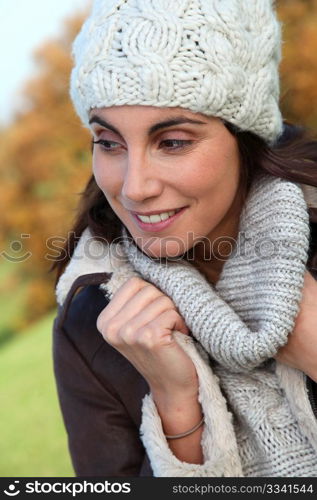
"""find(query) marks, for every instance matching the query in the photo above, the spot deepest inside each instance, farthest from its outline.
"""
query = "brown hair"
(293, 158)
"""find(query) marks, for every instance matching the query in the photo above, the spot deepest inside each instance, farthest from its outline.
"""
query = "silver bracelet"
(183, 434)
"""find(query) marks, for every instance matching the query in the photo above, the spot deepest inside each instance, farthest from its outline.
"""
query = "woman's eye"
(108, 145)
(174, 144)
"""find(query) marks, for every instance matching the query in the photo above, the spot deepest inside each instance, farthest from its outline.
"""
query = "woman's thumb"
(181, 326)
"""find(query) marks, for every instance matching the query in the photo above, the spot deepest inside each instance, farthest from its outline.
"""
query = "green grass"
(33, 440)
(5, 269)
(13, 291)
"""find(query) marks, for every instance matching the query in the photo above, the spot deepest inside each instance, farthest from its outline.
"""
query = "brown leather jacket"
(100, 392)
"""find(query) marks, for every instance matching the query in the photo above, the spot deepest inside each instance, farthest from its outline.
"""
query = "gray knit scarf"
(258, 419)
(247, 316)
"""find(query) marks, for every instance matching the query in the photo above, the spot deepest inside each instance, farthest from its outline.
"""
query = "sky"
(24, 26)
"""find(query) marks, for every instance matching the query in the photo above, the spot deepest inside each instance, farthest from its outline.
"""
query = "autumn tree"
(45, 154)
(299, 65)
(44, 164)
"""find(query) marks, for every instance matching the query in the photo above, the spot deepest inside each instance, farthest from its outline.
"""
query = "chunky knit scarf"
(242, 322)
(246, 317)
(258, 420)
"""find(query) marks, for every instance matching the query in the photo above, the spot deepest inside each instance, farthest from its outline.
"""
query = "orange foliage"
(299, 66)
(45, 154)
(44, 164)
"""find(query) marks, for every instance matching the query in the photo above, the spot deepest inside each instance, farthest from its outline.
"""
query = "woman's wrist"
(182, 414)
(186, 433)
(179, 412)
(172, 396)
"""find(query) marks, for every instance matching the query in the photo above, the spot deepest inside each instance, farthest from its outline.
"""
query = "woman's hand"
(301, 349)
(138, 322)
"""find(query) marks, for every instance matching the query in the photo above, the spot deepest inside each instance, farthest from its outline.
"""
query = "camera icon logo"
(12, 490)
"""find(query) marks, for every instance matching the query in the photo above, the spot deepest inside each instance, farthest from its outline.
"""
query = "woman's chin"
(164, 254)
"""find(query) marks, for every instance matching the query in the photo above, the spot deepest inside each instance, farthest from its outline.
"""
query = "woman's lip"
(155, 213)
(158, 226)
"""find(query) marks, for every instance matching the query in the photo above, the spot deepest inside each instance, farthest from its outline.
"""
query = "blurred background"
(44, 165)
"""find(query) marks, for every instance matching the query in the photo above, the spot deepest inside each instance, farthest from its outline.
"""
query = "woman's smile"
(158, 222)
(144, 156)
(198, 274)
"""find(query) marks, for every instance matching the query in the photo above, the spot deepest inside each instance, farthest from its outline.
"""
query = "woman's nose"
(140, 180)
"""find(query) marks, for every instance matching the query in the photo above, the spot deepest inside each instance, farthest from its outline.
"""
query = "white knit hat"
(217, 57)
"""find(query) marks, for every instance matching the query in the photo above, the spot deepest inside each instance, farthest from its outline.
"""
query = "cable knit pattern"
(217, 57)
(247, 316)
(258, 422)
(220, 448)
(271, 441)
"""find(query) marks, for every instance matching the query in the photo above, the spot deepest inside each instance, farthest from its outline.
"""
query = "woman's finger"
(128, 290)
(152, 334)
(143, 308)
(141, 300)
(168, 321)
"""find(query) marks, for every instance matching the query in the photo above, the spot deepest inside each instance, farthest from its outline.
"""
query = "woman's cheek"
(96, 170)
(105, 178)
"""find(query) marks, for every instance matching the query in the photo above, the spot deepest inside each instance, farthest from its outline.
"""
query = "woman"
(196, 323)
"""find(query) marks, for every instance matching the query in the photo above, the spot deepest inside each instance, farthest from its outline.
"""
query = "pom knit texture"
(217, 57)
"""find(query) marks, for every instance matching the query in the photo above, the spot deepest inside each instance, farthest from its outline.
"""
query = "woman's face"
(158, 160)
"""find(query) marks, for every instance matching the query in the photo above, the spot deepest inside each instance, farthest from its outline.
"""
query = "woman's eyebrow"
(103, 123)
(178, 120)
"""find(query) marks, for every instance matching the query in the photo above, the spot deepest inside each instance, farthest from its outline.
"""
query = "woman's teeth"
(152, 219)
